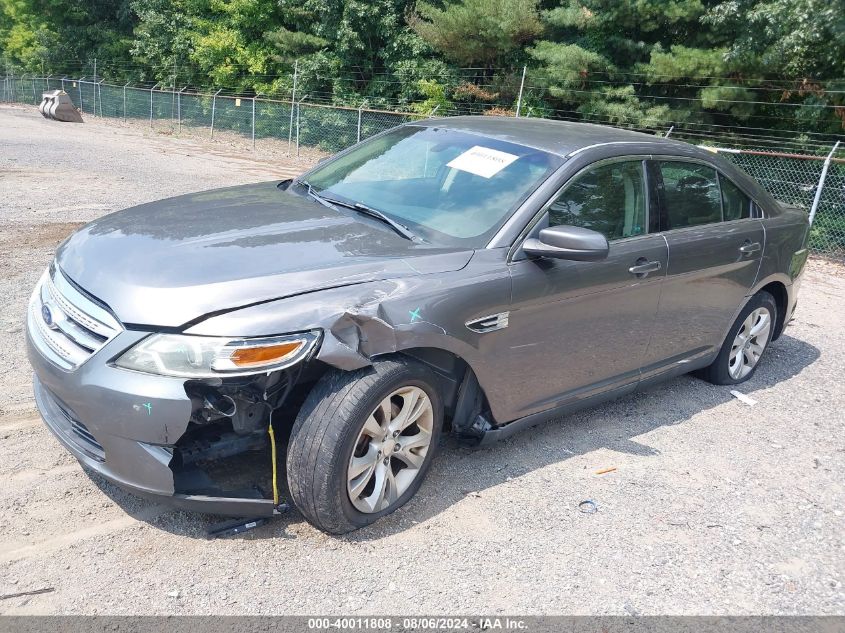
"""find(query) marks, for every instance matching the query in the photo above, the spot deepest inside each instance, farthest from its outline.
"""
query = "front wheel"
(363, 442)
(747, 339)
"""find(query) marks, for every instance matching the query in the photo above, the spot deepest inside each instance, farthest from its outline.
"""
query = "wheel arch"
(462, 394)
(779, 287)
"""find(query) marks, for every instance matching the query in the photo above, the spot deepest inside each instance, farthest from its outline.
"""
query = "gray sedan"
(309, 341)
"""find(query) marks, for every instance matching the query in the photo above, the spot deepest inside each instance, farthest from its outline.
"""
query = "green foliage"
(681, 62)
(640, 63)
(294, 44)
(486, 32)
(56, 34)
(565, 66)
(620, 106)
(162, 38)
(792, 38)
(435, 97)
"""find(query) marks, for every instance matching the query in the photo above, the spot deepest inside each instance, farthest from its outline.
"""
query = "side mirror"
(568, 242)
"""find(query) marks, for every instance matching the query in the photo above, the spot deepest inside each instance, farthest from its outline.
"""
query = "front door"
(577, 329)
(715, 247)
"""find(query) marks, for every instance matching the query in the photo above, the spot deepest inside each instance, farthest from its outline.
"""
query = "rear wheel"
(363, 442)
(745, 344)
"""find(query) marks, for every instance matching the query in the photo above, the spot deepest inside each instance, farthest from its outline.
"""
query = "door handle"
(643, 267)
(748, 247)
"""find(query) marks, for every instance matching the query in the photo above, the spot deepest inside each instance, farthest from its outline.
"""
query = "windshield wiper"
(401, 229)
(313, 193)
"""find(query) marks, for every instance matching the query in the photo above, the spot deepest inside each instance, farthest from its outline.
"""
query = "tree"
(592, 48)
(795, 39)
(486, 32)
(163, 41)
(642, 63)
(59, 35)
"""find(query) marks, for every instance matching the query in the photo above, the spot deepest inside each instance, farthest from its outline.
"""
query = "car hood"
(170, 262)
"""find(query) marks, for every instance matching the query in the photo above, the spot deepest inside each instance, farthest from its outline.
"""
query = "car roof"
(555, 137)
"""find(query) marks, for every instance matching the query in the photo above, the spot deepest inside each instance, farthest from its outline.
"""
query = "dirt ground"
(714, 506)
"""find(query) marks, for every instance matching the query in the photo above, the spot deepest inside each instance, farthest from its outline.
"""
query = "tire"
(335, 424)
(724, 369)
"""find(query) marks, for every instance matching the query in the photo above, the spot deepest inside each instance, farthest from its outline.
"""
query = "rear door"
(715, 248)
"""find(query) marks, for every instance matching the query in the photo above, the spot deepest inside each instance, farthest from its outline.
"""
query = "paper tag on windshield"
(482, 161)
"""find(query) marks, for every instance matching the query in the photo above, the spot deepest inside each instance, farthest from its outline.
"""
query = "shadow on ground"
(614, 425)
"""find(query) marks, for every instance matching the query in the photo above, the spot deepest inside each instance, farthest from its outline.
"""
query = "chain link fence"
(798, 179)
(793, 178)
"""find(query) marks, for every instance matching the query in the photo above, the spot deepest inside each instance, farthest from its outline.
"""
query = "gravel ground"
(715, 506)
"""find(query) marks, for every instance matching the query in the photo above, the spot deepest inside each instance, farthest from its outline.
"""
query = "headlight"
(210, 356)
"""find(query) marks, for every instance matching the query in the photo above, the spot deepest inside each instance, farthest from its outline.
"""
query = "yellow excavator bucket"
(56, 105)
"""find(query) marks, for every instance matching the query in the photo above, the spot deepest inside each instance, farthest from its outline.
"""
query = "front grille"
(66, 326)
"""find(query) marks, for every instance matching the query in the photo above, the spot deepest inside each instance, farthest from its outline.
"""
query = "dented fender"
(363, 321)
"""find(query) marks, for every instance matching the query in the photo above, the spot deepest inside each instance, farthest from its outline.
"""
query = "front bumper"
(125, 425)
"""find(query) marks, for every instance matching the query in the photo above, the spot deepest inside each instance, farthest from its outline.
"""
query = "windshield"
(450, 188)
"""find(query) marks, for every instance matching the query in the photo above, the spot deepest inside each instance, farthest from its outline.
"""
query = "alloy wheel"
(390, 449)
(749, 343)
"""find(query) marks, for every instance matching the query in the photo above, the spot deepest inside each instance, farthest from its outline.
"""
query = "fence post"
(124, 100)
(34, 98)
(179, 107)
(151, 104)
(99, 90)
(292, 99)
(360, 109)
(63, 84)
(521, 86)
(298, 103)
(213, 108)
(95, 86)
(81, 106)
(253, 119)
(47, 79)
(669, 131)
(820, 186)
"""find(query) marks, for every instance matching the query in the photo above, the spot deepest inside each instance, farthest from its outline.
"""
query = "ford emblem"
(47, 315)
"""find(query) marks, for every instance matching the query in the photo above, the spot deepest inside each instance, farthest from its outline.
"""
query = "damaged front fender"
(364, 321)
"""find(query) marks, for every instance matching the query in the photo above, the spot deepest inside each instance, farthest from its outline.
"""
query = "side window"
(691, 194)
(609, 199)
(736, 204)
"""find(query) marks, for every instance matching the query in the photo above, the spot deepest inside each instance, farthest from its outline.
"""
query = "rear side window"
(691, 194)
(736, 204)
(609, 199)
